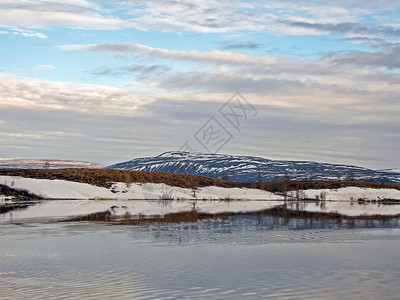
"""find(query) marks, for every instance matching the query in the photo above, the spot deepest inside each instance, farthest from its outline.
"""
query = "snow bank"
(122, 198)
(61, 189)
(353, 193)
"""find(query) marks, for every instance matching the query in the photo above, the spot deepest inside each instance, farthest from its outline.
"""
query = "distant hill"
(6, 163)
(253, 169)
(391, 170)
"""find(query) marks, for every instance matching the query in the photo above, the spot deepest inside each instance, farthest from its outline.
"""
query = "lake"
(243, 257)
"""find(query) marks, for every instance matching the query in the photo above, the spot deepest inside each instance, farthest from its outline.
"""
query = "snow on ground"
(61, 189)
(235, 193)
(355, 193)
(121, 198)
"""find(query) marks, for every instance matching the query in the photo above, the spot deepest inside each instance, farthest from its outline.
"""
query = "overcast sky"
(108, 81)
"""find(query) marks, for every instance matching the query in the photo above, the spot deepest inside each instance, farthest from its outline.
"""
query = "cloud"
(345, 28)
(276, 132)
(291, 82)
(47, 67)
(388, 58)
(140, 70)
(225, 64)
(198, 16)
(34, 18)
(224, 83)
(79, 14)
(56, 5)
(374, 42)
(336, 101)
(328, 107)
(222, 16)
(61, 96)
(214, 16)
(214, 56)
(229, 45)
(383, 4)
(24, 32)
(328, 13)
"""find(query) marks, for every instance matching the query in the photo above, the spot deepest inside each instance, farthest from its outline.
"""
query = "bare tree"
(194, 193)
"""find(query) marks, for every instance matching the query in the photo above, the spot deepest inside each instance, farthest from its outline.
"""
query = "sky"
(109, 81)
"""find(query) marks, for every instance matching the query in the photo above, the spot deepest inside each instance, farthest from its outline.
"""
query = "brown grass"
(105, 177)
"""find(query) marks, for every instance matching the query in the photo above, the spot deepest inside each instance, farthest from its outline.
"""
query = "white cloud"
(215, 56)
(88, 99)
(390, 58)
(24, 32)
(213, 16)
(71, 13)
(217, 16)
(47, 67)
(32, 18)
(321, 86)
(383, 4)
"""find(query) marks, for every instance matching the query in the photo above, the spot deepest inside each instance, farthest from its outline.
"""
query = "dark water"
(240, 258)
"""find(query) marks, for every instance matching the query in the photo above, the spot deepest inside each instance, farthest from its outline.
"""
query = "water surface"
(244, 257)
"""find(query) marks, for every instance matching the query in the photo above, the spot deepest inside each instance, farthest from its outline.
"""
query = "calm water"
(240, 258)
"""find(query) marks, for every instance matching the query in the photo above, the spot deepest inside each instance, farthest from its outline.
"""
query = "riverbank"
(51, 198)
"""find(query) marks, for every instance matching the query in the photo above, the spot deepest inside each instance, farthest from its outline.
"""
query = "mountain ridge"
(253, 169)
(16, 163)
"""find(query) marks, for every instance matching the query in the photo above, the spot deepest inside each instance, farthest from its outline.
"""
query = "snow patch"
(61, 189)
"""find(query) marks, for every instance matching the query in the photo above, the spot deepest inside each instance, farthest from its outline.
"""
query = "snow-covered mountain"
(9, 163)
(252, 169)
(391, 170)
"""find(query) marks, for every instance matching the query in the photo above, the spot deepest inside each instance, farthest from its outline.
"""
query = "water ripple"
(238, 258)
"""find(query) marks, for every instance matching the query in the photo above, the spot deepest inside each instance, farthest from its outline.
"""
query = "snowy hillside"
(391, 170)
(9, 163)
(252, 169)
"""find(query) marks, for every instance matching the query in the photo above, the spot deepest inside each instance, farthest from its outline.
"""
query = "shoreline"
(53, 198)
(135, 212)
